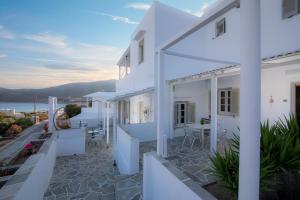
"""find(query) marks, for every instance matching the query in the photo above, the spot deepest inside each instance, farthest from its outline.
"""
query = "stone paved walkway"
(194, 163)
(92, 176)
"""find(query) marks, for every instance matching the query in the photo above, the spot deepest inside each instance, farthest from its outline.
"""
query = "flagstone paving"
(93, 176)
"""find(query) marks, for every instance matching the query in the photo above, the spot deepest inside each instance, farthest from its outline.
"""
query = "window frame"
(223, 22)
(227, 102)
(290, 14)
(141, 51)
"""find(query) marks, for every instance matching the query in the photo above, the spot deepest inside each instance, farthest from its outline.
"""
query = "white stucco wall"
(70, 142)
(127, 152)
(159, 183)
(277, 82)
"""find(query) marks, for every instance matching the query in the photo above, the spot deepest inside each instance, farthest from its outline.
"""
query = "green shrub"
(279, 153)
(24, 122)
(72, 110)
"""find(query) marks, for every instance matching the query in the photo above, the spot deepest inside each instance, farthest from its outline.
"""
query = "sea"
(26, 107)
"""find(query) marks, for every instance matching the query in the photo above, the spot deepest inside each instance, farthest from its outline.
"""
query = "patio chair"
(191, 136)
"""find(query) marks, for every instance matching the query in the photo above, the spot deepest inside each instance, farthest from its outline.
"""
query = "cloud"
(125, 20)
(47, 38)
(200, 12)
(6, 34)
(3, 55)
(139, 6)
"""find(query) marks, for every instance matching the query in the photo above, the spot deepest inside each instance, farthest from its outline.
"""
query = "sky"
(46, 43)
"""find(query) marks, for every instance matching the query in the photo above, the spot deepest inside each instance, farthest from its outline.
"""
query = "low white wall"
(161, 182)
(127, 152)
(37, 183)
(31, 180)
(70, 141)
(144, 132)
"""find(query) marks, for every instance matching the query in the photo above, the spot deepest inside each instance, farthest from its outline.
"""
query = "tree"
(72, 110)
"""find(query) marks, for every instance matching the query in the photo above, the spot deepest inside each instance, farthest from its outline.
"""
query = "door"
(297, 103)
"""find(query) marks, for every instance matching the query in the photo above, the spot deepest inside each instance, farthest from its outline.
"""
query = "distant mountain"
(65, 93)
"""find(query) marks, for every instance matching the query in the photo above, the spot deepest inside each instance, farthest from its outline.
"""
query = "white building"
(95, 113)
(179, 69)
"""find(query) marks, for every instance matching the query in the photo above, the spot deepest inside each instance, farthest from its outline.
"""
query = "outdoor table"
(199, 128)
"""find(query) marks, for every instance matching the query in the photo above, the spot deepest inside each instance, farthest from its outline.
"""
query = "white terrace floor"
(92, 176)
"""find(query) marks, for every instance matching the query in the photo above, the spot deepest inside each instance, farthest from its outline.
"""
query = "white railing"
(127, 152)
(162, 180)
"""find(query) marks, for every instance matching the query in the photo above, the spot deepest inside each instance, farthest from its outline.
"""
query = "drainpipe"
(250, 100)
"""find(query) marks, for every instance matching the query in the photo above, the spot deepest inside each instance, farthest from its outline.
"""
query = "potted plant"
(29, 148)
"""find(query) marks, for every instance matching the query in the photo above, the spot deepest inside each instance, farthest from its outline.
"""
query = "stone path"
(194, 163)
(92, 176)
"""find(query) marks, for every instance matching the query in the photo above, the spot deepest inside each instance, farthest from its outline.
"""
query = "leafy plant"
(14, 130)
(72, 110)
(24, 122)
(279, 152)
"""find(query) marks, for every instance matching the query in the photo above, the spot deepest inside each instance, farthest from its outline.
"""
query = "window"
(141, 51)
(290, 8)
(220, 27)
(228, 101)
(184, 113)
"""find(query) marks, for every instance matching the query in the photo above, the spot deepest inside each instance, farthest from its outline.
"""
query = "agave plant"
(279, 152)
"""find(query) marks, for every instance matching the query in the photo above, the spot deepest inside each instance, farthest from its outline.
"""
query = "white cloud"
(139, 6)
(115, 17)
(47, 38)
(3, 55)
(201, 10)
(6, 34)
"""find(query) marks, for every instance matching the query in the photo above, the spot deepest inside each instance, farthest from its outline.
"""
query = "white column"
(250, 101)
(214, 114)
(107, 123)
(115, 115)
(161, 142)
(103, 117)
(171, 115)
(52, 101)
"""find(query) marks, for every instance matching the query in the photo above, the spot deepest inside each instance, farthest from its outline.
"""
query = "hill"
(65, 93)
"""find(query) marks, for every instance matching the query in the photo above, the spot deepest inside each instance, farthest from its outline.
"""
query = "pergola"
(250, 87)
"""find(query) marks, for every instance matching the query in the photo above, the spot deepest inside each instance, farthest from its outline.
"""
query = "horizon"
(39, 50)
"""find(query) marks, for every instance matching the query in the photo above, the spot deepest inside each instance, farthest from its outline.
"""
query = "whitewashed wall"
(198, 92)
(70, 142)
(143, 132)
(158, 29)
(159, 183)
(277, 82)
(127, 155)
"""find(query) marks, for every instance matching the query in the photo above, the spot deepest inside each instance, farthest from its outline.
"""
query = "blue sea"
(26, 107)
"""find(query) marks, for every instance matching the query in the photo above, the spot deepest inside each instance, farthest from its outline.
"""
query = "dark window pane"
(182, 120)
(223, 94)
(223, 108)
(182, 106)
(222, 101)
(229, 93)
(228, 108)
(228, 100)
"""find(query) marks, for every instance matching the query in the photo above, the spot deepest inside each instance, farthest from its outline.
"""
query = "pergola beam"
(199, 58)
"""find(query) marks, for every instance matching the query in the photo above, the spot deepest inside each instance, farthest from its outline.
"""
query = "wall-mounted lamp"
(271, 100)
